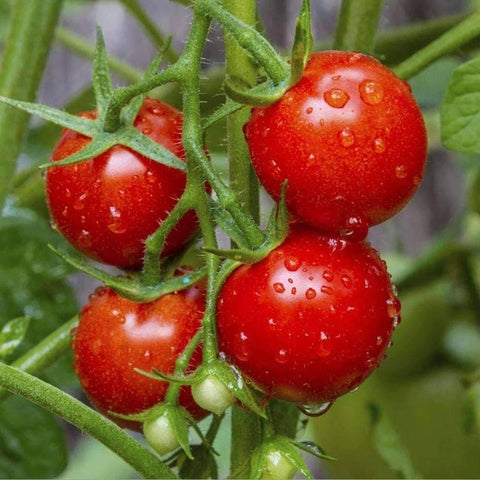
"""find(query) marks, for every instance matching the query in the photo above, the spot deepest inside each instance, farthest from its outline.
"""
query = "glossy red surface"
(116, 335)
(107, 206)
(312, 320)
(350, 139)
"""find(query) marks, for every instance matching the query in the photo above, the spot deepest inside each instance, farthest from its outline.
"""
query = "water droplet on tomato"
(310, 293)
(292, 264)
(65, 211)
(147, 131)
(279, 287)
(309, 111)
(68, 193)
(347, 137)
(326, 290)
(272, 322)
(310, 160)
(293, 291)
(240, 347)
(83, 219)
(282, 356)
(315, 410)
(400, 171)
(347, 281)
(371, 92)
(393, 307)
(336, 77)
(84, 239)
(121, 193)
(80, 202)
(379, 145)
(328, 275)
(379, 340)
(150, 177)
(356, 229)
(147, 354)
(336, 97)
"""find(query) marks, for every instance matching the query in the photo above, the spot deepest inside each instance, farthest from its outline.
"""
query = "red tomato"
(115, 336)
(312, 320)
(107, 206)
(350, 139)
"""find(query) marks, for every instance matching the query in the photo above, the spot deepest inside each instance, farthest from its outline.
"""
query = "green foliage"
(12, 334)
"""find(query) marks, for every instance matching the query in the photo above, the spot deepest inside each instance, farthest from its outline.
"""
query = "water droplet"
(379, 145)
(310, 160)
(293, 291)
(346, 137)
(65, 211)
(400, 171)
(328, 275)
(121, 193)
(278, 287)
(326, 290)
(150, 176)
(68, 193)
(315, 410)
(272, 322)
(83, 219)
(309, 111)
(240, 348)
(155, 110)
(290, 280)
(347, 281)
(336, 97)
(356, 229)
(147, 354)
(147, 131)
(379, 340)
(282, 356)
(336, 77)
(79, 204)
(371, 92)
(310, 294)
(393, 307)
(84, 239)
(292, 264)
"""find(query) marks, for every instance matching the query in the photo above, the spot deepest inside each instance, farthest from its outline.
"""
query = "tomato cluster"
(307, 323)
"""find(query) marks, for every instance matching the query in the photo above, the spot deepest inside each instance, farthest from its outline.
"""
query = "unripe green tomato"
(427, 414)
(417, 340)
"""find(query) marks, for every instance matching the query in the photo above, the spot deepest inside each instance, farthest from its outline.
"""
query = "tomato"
(107, 206)
(349, 138)
(312, 320)
(115, 336)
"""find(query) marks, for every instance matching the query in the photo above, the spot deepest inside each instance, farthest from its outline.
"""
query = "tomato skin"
(116, 335)
(349, 137)
(312, 320)
(107, 206)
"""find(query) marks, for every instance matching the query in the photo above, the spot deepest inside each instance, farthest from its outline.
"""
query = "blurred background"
(419, 388)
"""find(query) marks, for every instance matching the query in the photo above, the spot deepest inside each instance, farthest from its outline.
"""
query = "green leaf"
(203, 464)
(180, 427)
(150, 149)
(389, 446)
(66, 120)
(289, 451)
(471, 410)
(227, 224)
(102, 82)
(313, 449)
(32, 443)
(302, 45)
(460, 111)
(239, 255)
(261, 95)
(12, 335)
(221, 113)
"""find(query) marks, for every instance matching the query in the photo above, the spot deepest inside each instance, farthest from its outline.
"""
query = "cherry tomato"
(107, 206)
(312, 320)
(349, 138)
(115, 335)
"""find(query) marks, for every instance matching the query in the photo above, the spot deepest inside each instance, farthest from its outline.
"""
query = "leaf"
(313, 449)
(239, 255)
(262, 95)
(227, 224)
(471, 410)
(221, 113)
(12, 335)
(389, 446)
(460, 110)
(180, 427)
(295, 458)
(203, 464)
(150, 149)
(102, 82)
(302, 45)
(64, 119)
(32, 444)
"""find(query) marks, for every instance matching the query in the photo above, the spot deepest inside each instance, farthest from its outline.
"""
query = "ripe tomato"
(107, 206)
(350, 139)
(115, 336)
(312, 320)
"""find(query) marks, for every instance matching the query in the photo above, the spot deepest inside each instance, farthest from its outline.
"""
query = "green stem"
(238, 64)
(85, 49)
(247, 37)
(357, 25)
(45, 352)
(245, 426)
(450, 41)
(31, 29)
(78, 414)
(150, 28)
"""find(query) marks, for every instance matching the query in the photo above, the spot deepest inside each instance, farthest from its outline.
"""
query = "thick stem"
(78, 414)
(246, 426)
(31, 29)
(150, 28)
(450, 41)
(238, 64)
(44, 353)
(357, 25)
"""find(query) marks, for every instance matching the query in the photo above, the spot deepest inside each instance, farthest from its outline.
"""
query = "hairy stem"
(450, 41)
(78, 414)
